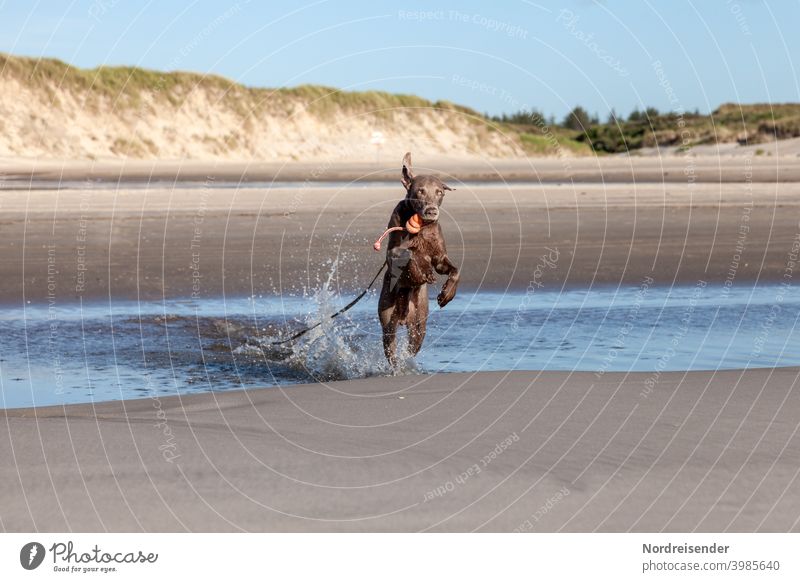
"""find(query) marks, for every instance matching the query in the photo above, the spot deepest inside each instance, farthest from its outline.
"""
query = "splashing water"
(342, 348)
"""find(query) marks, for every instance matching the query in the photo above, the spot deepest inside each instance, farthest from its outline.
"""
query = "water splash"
(342, 348)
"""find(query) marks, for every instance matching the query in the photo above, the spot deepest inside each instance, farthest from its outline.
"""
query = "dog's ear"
(407, 175)
(446, 187)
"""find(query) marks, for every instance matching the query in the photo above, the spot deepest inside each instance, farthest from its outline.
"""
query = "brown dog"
(413, 261)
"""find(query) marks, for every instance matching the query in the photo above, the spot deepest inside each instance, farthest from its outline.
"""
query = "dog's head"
(425, 193)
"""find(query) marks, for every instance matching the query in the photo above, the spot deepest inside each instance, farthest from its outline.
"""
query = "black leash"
(342, 310)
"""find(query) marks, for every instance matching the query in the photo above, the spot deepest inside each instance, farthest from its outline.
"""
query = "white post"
(377, 140)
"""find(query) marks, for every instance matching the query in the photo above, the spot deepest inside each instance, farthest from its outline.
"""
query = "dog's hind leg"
(386, 313)
(417, 318)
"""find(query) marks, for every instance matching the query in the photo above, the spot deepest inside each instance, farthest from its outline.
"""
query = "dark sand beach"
(499, 451)
(112, 241)
(522, 451)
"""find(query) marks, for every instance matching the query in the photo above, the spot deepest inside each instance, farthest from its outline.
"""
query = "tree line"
(578, 119)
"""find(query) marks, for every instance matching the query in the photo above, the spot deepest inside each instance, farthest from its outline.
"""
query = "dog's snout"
(430, 213)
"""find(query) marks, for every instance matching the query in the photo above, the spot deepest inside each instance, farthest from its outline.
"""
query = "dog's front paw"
(447, 294)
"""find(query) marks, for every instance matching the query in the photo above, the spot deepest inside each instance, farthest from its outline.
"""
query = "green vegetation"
(745, 124)
(328, 100)
(124, 84)
(579, 119)
(554, 142)
(544, 136)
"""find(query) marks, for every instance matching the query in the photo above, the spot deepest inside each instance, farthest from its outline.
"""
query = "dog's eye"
(440, 193)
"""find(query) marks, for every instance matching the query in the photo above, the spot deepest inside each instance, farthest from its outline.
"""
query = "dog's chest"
(425, 242)
(411, 261)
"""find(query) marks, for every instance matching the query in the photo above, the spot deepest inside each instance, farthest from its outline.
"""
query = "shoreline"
(670, 169)
(93, 303)
(701, 451)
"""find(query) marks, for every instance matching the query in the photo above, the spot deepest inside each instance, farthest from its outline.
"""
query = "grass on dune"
(552, 144)
(125, 85)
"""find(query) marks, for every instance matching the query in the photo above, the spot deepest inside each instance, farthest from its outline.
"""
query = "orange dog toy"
(413, 225)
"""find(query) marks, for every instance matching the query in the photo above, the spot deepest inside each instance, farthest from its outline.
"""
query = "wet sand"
(206, 239)
(777, 164)
(524, 451)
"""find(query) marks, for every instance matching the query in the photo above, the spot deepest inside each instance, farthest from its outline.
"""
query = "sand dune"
(51, 110)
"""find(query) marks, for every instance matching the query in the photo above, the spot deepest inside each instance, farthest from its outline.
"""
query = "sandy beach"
(162, 240)
(499, 451)
(518, 451)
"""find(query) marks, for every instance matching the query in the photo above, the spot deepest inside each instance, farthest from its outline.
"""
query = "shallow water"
(100, 351)
(244, 184)
(161, 185)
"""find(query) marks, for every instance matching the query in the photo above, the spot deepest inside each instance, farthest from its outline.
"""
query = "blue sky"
(492, 56)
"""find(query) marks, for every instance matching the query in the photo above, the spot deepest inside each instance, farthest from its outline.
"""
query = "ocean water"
(104, 351)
